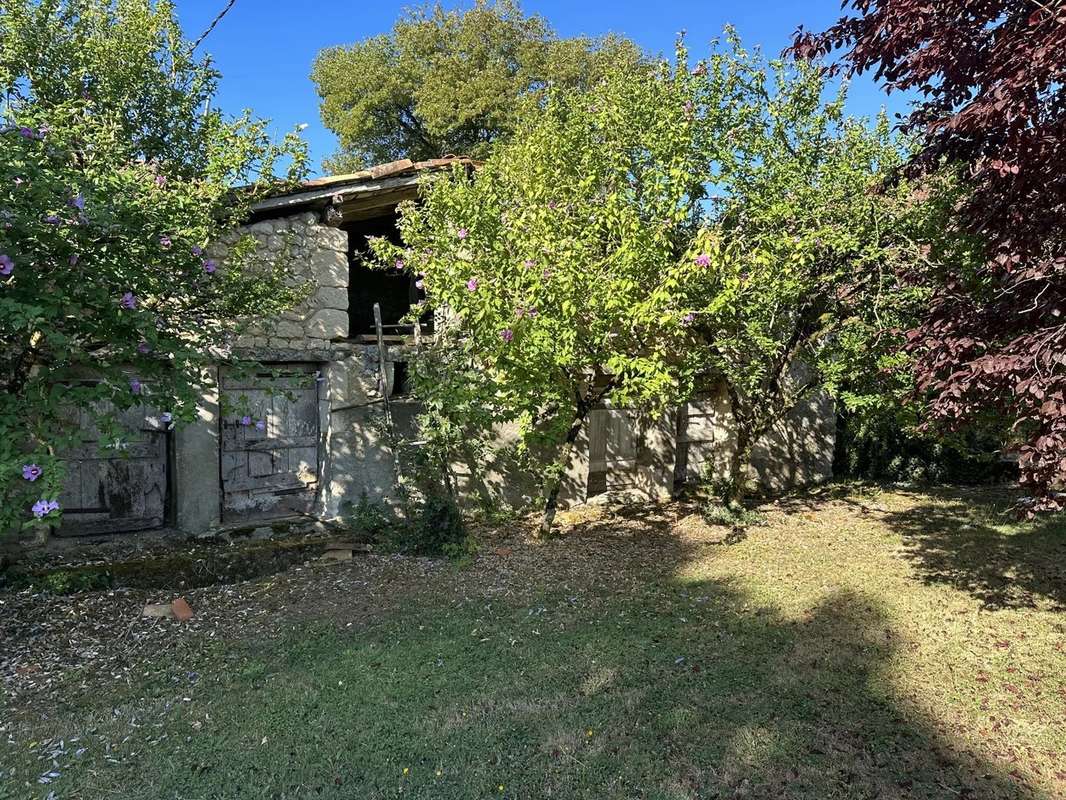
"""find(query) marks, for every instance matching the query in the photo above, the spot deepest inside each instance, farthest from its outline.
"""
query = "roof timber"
(360, 195)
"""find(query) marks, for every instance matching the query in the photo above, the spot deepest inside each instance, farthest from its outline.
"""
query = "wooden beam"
(291, 202)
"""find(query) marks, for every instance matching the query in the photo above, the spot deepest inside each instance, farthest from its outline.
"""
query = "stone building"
(304, 434)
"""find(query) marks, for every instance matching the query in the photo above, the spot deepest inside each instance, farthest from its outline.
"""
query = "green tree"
(553, 259)
(115, 175)
(449, 81)
(661, 233)
(803, 244)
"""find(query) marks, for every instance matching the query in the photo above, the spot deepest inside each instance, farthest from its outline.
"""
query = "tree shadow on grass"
(970, 540)
(640, 684)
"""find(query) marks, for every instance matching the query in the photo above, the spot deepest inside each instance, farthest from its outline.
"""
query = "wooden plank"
(274, 471)
(266, 483)
(115, 490)
(346, 193)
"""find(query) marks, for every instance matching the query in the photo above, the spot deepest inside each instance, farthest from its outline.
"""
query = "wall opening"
(393, 289)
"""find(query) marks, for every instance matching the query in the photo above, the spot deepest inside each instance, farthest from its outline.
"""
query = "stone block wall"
(797, 451)
(316, 255)
(355, 456)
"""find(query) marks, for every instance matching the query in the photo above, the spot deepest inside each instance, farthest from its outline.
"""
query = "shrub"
(438, 529)
(715, 512)
(376, 521)
(432, 527)
(886, 450)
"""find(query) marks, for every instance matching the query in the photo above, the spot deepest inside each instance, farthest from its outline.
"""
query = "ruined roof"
(357, 195)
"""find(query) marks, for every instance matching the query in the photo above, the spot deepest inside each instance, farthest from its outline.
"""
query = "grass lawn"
(862, 644)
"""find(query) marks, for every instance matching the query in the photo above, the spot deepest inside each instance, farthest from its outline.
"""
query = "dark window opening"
(393, 289)
(401, 380)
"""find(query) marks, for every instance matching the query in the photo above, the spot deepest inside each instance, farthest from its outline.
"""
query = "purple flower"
(31, 472)
(166, 417)
(210, 266)
(703, 260)
(688, 319)
(260, 424)
(160, 181)
(507, 334)
(7, 265)
(128, 301)
(688, 106)
(552, 205)
(144, 348)
(471, 285)
(463, 233)
(42, 508)
(420, 284)
(519, 312)
(73, 260)
(135, 386)
(399, 263)
(246, 420)
(164, 242)
(197, 250)
(529, 263)
(52, 219)
(531, 312)
(27, 133)
(545, 274)
(77, 201)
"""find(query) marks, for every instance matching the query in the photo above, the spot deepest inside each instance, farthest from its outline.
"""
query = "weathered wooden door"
(614, 444)
(270, 442)
(699, 437)
(123, 488)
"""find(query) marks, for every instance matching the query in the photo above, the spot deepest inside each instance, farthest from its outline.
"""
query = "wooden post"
(383, 370)
(383, 376)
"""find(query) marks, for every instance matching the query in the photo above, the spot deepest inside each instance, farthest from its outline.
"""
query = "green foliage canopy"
(449, 81)
(656, 234)
(804, 244)
(115, 175)
(552, 259)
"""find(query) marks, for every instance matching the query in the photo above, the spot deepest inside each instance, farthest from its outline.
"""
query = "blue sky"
(264, 48)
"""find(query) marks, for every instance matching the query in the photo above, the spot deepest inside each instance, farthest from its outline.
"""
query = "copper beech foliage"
(991, 76)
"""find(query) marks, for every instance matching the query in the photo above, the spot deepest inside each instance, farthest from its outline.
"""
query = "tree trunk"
(551, 499)
(737, 480)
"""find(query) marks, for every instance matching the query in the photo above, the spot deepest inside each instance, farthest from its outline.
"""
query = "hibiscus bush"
(674, 227)
(115, 175)
(551, 259)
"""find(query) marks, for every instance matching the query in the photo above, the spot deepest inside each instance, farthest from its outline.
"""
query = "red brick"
(181, 609)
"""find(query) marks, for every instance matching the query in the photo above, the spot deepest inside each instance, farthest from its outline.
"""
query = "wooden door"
(123, 488)
(698, 436)
(614, 445)
(270, 442)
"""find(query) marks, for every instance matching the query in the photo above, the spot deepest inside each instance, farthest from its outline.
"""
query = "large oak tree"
(449, 81)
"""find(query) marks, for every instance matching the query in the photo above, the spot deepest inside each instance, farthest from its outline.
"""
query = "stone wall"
(797, 451)
(315, 255)
(355, 456)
